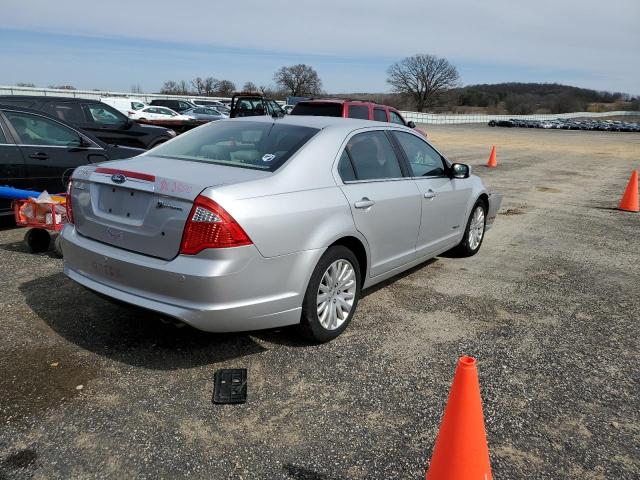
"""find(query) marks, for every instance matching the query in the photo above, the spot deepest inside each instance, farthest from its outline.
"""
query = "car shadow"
(127, 334)
(368, 291)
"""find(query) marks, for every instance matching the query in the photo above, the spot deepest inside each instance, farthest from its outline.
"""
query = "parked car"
(206, 103)
(175, 105)
(252, 105)
(124, 105)
(93, 116)
(336, 107)
(206, 113)
(262, 222)
(38, 151)
(159, 113)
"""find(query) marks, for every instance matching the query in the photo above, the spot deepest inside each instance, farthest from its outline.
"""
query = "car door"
(50, 149)
(444, 199)
(385, 204)
(13, 172)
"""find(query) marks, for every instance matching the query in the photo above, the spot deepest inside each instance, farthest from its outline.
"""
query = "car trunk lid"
(142, 204)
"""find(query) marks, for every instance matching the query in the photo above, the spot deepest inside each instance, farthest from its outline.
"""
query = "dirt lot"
(550, 308)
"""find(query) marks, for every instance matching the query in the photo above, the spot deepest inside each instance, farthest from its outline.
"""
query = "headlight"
(172, 133)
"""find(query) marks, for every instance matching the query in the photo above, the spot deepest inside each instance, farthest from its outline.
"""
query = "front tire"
(474, 233)
(332, 295)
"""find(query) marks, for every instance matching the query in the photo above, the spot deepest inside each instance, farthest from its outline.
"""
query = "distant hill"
(515, 98)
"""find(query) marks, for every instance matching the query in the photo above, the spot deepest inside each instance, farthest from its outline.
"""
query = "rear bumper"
(222, 290)
(495, 200)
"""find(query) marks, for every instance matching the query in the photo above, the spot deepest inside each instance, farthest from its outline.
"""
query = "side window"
(395, 118)
(424, 161)
(345, 168)
(104, 115)
(3, 139)
(373, 156)
(137, 105)
(37, 130)
(379, 115)
(69, 112)
(359, 111)
(184, 106)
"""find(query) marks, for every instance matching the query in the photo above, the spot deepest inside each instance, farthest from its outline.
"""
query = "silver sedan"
(264, 222)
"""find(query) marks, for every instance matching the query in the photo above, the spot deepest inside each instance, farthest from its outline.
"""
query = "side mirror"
(411, 124)
(460, 170)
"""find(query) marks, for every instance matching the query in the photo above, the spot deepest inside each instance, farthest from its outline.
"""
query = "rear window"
(255, 145)
(359, 111)
(318, 109)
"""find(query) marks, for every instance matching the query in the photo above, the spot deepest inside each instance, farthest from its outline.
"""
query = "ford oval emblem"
(118, 178)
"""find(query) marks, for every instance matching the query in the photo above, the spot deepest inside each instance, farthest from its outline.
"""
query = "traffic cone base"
(461, 450)
(492, 163)
(630, 201)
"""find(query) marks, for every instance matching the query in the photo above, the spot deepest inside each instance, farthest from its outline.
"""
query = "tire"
(470, 244)
(321, 325)
(57, 247)
(37, 240)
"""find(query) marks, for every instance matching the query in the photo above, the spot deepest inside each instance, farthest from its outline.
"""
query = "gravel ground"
(549, 307)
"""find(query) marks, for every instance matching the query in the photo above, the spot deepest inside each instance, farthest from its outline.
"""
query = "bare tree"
(25, 84)
(225, 88)
(136, 88)
(62, 87)
(250, 87)
(298, 80)
(198, 84)
(423, 78)
(170, 88)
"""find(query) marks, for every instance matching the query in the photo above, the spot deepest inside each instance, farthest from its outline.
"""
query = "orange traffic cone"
(492, 158)
(630, 201)
(461, 450)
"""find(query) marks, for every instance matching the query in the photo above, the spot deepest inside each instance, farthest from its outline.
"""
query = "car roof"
(51, 117)
(48, 98)
(320, 122)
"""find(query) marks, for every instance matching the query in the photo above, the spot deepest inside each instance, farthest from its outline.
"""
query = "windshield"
(256, 145)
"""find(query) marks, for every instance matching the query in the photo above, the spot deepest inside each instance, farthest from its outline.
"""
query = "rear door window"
(373, 157)
(69, 112)
(345, 168)
(379, 114)
(359, 111)
(37, 130)
(424, 161)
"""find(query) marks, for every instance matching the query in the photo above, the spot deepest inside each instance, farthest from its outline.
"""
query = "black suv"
(247, 104)
(175, 105)
(39, 152)
(100, 119)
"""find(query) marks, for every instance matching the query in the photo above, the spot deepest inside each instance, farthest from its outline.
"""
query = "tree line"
(419, 82)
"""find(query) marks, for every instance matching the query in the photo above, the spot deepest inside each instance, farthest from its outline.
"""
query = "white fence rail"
(92, 94)
(417, 117)
(442, 119)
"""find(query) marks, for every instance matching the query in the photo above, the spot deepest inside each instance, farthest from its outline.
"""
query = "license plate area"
(123, 203)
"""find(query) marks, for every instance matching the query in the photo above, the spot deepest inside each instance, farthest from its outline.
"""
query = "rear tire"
(332, 295)
(37, 240)
(474, 233)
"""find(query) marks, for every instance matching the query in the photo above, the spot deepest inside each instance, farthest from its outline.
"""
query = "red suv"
(335, 107)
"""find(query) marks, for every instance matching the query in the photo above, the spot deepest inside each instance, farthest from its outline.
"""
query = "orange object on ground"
(461, 450)
(492, 158)
(630, 201)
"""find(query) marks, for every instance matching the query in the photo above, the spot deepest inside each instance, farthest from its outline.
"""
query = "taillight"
(69, 207)
(210, 226)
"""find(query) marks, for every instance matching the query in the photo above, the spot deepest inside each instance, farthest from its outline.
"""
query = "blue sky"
(582, 43)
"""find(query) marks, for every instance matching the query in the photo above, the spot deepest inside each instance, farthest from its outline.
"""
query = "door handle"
(364, 203)
(39, 156)
(430, 194)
